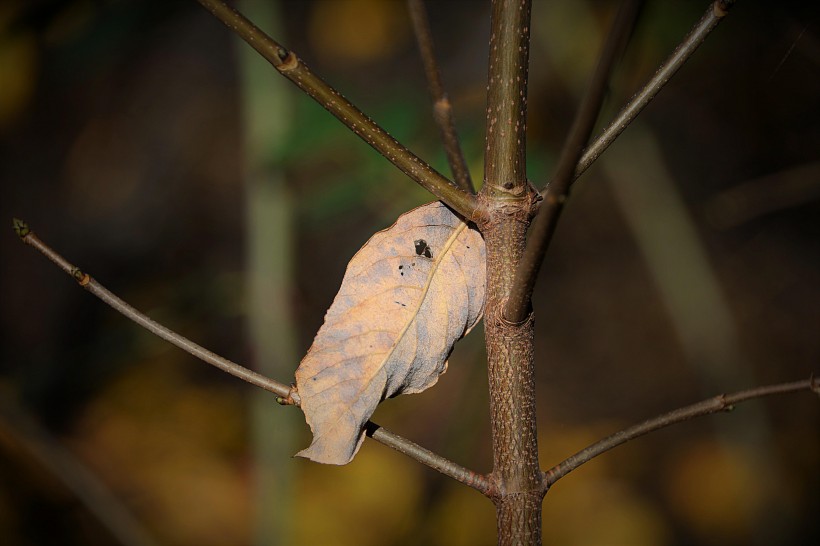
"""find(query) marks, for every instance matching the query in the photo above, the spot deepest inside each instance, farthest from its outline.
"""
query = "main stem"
(516, 480)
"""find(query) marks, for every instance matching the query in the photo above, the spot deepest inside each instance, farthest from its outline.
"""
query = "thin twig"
(290, 66)
(714, 15)
(479, 482)
(442, 108)
(91, 285)
(286, 394)
(557, 192)
(722, 402)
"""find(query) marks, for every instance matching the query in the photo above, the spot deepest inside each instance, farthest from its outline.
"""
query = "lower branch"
(285, 393)
(722, 402)
(478, 482)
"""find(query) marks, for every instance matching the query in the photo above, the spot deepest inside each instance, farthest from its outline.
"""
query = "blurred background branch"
(32, 447)
(714, 15)
(442, 107)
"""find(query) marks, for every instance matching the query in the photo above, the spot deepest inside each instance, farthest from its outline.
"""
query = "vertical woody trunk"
(509, 198)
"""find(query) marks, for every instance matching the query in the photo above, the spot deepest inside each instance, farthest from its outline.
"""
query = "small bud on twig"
(20, 227)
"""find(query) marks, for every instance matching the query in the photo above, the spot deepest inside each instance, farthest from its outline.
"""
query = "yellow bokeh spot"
(596, 504)
(463, 518)
(357, 30)
(717, 489)
(372, 500)
(18, 74)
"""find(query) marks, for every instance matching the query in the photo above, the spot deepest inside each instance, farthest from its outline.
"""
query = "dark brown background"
(121, 144)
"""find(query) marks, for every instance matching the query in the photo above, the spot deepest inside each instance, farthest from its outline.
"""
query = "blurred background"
(155, 151)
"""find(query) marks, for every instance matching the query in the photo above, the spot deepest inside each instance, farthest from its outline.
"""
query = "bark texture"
(508, 199)
(516, 477)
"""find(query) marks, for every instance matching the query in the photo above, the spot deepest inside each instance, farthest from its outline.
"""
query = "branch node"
(505, 323)
(721, 7)
(519, 204)
(814, 385)
(20, 227)
(289, 60)
(292, 399)
(442, 106)
(82, 278)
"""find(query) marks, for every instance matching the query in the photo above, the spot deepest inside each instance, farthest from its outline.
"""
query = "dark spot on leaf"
(402, 267)
(422, 248)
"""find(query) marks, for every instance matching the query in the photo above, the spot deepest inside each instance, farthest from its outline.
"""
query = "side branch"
(285, 393)
(290, 66)
(556, 193)
(479, 482)
(714, 15)
(442, 109)
(722, 402)
(91, 285)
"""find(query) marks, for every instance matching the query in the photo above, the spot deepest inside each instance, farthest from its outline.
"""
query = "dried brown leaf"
(407, 296)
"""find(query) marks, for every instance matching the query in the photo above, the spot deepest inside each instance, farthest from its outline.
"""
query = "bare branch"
(478, 482)
(722, 402)
(557, 192)
(286, 394)
(714, 15)
(149, 324)
(290, 66)
(442, 108)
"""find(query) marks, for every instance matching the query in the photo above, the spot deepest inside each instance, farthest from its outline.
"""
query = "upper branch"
(556, 193)
(714, 15)
(722, 402)
(290, 66)
(286, 393)
(442, 108)
(505, 173)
